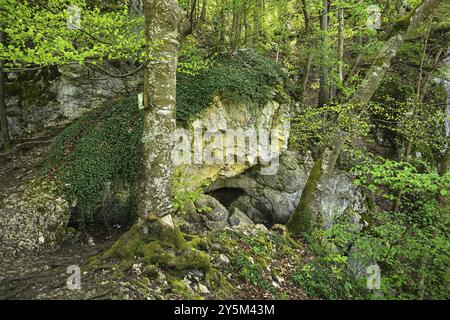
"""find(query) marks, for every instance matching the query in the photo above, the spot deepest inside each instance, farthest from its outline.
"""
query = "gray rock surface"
(237, 217)
(33, 219)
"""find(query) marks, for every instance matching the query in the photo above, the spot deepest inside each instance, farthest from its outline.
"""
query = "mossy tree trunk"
(301, 221)
(163, 18)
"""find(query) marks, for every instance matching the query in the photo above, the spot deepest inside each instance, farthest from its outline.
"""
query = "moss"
(121, 268)
(166, 248)
(301, 222)
(178, 286)
(127, 245)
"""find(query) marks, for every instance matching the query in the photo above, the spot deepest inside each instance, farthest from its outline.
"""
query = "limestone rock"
(273, 199)
(239, 218)
(33, 220)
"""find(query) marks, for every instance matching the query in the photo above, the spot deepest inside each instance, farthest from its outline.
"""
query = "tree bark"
(203, 12)
(309, 58)
(328, 158)
(3, 118)
(155, 186)
(341, 48)
(324, 89)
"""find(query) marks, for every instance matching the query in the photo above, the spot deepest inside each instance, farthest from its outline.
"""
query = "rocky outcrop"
(240, 193)
(273, 199)
(33, 219)
(223, 115)
(51, 97)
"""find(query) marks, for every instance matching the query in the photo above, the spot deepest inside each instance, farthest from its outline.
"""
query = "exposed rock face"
(223, 115)
(273, 199)
(33, 219)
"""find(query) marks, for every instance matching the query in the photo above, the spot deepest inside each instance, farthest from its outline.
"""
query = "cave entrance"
(226, 195)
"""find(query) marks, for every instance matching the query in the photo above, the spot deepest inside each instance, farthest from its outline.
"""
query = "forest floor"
(45, 277)
(257, 263)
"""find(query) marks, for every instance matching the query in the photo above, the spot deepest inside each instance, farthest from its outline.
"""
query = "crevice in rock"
(226, 196)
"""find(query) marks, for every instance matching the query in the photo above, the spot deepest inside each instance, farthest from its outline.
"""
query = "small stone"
(201, 288)
(239, 218)
(91, 241)
(187, 282)
(223, 259)
(168, 221)
(261, 227)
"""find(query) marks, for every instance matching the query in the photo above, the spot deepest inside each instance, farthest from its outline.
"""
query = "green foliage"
(99, 147)
(39, 34)
(251, 272)
(411, 244)
(184, 192)
(256, 256)
(326, 280)
(192, 58)
(415, 180)
(246, 75)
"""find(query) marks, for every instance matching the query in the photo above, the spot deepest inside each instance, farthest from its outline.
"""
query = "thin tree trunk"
(203, 12)
(324, 89)
(257, 12)
(420, 96)
(3, 118)
(223, 22)
(309, 57)
(341, 49)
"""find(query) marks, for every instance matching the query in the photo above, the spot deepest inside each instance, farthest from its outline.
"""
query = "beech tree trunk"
(162, 19)
(301, 221)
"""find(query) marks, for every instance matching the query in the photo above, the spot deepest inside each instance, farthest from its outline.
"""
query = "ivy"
(245, 75)
(100, 147)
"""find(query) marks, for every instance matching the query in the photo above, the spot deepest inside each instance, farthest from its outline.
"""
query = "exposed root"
(166, 247)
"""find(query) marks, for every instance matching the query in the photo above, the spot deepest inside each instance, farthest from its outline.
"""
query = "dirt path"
(45, 277)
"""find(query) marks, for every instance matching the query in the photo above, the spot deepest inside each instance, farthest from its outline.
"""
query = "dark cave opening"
(226, 195)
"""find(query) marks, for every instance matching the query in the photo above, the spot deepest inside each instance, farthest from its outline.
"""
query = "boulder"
(33, 220)
(237, 217)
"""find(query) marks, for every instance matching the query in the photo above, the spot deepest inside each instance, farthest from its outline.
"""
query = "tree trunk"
(223, 22)
(341, 49)
(162, 19)
(3, 119)
(203, 12)
(257, 12)
(328, 158)
(309, 58)
(323, 91)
